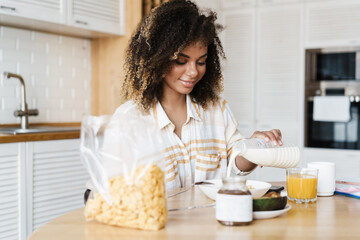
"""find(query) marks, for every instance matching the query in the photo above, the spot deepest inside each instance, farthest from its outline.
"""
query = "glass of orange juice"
(301, 184)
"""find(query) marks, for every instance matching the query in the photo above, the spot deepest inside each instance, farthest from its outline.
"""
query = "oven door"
(339, 135)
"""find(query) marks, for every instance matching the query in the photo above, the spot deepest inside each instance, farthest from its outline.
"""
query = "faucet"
(24, 112)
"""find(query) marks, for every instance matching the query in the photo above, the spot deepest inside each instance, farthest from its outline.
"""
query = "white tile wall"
(56, 70)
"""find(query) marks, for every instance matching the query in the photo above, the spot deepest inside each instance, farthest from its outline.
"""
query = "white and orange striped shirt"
(205, 146)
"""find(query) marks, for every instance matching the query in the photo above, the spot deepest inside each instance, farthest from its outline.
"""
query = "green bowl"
(269, 203)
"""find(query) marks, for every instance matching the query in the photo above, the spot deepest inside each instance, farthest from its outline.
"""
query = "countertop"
(9, 138)
(335, 217)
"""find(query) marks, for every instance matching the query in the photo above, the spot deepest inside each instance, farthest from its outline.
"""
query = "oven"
(338, 135)
(333, 64)
(332, 73)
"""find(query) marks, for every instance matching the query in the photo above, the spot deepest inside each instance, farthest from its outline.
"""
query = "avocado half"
(269, 203)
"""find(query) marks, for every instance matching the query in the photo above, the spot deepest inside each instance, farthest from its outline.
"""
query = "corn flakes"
(140, 205)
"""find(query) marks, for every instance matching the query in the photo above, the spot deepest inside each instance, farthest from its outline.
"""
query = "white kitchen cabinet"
(239, 68)
(56, 180)
(332, 23)
(273, 2)
(266, 68)
(50, 11)
(263, 68)
(237, 4)
(278, 70)
(212, 4)
(263, 71)
(39, 181)
(12, 191)
(101, 16)
(83, 18)
(347, 162)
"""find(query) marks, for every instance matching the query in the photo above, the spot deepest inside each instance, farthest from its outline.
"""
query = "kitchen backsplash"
(57, 74)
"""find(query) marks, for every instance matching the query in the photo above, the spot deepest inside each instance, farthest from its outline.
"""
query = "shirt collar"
(160, 116)
(162, 119)
(192, 109)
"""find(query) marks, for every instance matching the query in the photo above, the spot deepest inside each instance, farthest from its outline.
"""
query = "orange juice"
(301, 186)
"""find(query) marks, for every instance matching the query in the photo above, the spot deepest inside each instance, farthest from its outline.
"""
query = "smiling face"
(186, 71)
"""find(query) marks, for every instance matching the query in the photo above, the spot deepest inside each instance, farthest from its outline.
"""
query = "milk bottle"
(266, 154)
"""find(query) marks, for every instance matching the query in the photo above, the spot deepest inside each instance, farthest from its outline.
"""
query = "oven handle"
(352, 99)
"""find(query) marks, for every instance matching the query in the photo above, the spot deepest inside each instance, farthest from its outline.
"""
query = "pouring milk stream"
(265, 154)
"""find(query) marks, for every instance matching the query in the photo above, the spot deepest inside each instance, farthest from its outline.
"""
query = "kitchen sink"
(37, 129)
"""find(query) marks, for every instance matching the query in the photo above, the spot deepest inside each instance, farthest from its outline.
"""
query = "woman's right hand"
(273, 135)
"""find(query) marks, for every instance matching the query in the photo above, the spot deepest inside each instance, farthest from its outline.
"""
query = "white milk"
(264, 154)
(282, 157)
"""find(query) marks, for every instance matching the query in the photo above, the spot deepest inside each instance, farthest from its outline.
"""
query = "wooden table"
(336, 217)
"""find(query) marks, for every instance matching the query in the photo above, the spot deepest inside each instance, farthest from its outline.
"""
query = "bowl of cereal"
(211, 187)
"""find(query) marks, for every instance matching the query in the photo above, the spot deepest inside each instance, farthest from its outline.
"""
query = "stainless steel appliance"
(332, 72)
(333, 64)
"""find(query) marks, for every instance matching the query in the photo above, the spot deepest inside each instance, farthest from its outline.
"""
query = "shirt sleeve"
(232, 135)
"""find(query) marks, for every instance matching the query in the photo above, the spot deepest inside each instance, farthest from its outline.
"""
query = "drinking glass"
(301, 184)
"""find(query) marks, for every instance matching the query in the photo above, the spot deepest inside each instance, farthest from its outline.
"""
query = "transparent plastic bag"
(265, 154)
(123, 156)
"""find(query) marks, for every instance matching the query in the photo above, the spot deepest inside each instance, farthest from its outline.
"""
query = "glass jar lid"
(235, 183)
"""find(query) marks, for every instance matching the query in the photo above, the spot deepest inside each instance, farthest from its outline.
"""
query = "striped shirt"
(204, 149)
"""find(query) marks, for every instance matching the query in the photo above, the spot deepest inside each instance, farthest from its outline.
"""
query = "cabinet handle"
(8, 8)
(81, 22)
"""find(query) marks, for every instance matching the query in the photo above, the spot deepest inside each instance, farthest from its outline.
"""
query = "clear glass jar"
(234, 206)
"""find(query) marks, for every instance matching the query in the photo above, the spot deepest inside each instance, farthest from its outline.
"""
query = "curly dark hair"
(155, 45)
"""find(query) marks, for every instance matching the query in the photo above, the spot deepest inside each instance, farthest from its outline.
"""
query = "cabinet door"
(212, 4)
(279, 69)
(102, 16)
(239, 4)
(12, 197)
(50, 11)
(332, 23)
(57, 183)
(273, 2)
(239, 68)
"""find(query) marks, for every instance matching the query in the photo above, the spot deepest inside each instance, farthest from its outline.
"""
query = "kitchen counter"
(42, 136)
(335, 217)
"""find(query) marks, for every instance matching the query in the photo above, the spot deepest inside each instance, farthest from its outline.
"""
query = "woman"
(173, 77)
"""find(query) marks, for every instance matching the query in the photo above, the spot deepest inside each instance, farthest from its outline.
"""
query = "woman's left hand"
(273, 135)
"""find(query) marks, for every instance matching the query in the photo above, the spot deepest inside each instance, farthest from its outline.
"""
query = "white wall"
(57, 74)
